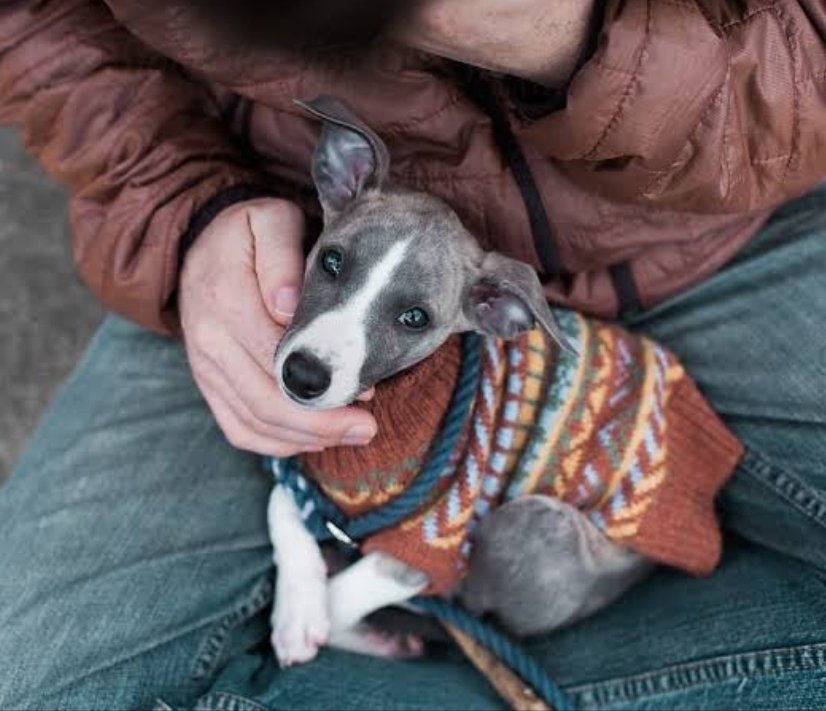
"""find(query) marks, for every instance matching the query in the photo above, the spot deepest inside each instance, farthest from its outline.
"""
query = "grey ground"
(46, 314)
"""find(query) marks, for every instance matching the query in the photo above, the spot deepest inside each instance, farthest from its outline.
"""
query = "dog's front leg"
(375, 581)
(300, 623)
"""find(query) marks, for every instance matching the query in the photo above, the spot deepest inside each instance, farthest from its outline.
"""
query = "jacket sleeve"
(707, 106)
(140, 146)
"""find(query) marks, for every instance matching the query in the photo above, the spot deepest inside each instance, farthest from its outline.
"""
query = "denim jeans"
(136, 566)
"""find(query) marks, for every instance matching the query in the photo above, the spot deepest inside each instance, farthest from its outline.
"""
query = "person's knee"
(40, 675)
(38, 659)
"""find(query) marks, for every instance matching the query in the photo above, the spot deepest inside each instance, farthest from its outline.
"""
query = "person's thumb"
(278, 230)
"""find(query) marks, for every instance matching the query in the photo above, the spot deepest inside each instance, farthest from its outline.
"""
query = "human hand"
(238, 289)
(533, 39)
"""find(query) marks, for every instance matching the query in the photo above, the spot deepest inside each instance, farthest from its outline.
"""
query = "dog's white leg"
(363, 639)
(376, 581)
(300, 625)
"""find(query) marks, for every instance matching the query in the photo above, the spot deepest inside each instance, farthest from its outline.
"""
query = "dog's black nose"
(305, 376)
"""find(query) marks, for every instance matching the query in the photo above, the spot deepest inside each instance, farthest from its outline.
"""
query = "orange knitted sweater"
(620, 431)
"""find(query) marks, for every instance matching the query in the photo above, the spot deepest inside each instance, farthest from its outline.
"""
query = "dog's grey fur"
(537, 561)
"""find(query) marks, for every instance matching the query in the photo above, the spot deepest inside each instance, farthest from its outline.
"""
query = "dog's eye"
(415, 318)
(331, 261)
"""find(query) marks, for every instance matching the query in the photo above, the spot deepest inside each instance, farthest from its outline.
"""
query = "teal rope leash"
(325, 521)
(509, 652)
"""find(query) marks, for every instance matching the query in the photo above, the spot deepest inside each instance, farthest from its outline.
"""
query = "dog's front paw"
(300, 623)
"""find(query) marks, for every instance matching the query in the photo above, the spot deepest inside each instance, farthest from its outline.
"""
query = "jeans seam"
(683, 677)
(226, 701)
(209, 653)
(795, 492)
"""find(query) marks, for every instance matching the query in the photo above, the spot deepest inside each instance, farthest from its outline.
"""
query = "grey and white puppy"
(392, 276)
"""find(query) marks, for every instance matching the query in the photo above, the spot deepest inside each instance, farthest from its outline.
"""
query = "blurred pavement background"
(46, 315)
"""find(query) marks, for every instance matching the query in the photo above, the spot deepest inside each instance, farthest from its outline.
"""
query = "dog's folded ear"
(505, 298)
(350, 157)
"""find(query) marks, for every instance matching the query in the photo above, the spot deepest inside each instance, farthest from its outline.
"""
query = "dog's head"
(392, 276)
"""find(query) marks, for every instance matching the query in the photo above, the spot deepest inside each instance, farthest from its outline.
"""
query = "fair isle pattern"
(444, 524)
(509, 393)
(558, 398)
(635, 481)
(586, 428)
(377, 487)
(607, 448)
(590, 429)
(523, 389)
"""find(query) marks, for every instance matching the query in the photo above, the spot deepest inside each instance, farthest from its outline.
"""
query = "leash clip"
(340, 535)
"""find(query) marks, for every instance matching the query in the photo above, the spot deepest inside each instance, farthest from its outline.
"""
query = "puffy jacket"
(688, 123)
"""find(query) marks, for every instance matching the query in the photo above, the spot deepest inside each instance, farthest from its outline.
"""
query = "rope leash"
(326, 521)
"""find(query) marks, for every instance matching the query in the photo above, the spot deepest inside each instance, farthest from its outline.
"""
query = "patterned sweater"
(619, 431)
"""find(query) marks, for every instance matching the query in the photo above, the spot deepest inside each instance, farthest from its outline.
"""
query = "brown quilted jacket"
(689, 122)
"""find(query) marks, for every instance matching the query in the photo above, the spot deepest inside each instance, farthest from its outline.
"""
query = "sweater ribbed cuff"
(681, 529)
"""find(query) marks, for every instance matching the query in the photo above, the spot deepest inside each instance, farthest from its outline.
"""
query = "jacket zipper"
(479, 90)
(544, 240)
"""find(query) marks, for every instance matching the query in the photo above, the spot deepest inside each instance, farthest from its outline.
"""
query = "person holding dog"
(657, 163)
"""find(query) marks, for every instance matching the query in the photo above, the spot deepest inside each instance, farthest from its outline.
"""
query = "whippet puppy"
(392, 276)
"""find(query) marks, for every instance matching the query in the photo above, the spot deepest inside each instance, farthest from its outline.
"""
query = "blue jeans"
(136, 566)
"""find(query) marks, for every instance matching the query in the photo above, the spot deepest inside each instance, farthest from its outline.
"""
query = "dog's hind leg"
(539, 563)
(374, 582)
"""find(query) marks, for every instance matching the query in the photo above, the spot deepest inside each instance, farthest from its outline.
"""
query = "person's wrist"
(219, 203)
(220, 208)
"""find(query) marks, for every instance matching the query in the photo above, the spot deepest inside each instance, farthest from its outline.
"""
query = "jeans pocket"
(216, 701)
(775, 507)
(212, 651)
(223, 701)
(790, 677)
(807, 500)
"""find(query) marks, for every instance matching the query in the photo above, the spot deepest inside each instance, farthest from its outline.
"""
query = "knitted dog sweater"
(619, 431)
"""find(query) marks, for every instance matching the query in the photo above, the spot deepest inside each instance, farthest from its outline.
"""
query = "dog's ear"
(350, 157)
(505, 299)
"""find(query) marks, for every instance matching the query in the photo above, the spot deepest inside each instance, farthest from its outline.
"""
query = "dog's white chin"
(322, 404)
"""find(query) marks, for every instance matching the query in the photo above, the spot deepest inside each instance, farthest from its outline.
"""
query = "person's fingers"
(367, 395)
(245, 322)
(239, 435)
(278, 233)
(212, 380)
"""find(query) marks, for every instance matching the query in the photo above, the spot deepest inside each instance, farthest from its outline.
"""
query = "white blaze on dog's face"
(338, 338)
(392, 276)
(335, 342)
